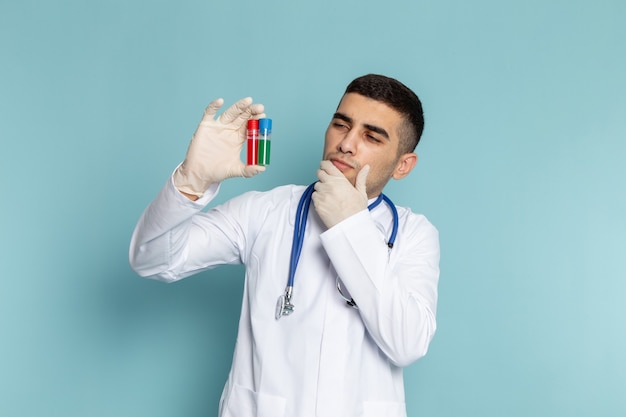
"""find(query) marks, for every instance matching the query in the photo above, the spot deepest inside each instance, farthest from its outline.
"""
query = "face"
(363, 132)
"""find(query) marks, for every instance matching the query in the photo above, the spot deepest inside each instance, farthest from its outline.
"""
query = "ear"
(405, 165)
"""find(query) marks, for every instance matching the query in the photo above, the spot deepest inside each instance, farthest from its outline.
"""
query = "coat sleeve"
(174, 239)
(396, 291)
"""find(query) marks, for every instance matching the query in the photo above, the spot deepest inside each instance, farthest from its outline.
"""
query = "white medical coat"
(326, 359)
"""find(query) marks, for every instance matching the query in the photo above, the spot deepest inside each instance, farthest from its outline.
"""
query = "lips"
(341, 164)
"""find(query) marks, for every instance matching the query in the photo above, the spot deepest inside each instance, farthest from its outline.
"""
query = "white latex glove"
(335, 198)
(215, 149)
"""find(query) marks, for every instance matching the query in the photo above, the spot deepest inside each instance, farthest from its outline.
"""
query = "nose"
(348, 143)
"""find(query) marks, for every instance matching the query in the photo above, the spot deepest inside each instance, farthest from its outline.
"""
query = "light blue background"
(521, 169)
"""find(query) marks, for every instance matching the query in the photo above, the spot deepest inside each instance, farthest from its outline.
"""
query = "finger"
(331, 169)
(256, 110)
(361, 179)
(315, 197)
(322, 176)
(321, 193)
(325, 177)
(241, 107)
(212, 108)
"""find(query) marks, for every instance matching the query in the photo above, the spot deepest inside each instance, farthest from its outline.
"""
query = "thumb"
(361, 180)
(252, 170)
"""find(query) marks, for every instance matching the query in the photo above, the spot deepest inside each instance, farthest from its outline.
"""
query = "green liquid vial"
(265, 141)
(264, 151)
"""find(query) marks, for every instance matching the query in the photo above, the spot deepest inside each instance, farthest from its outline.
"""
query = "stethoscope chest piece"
(284, 307)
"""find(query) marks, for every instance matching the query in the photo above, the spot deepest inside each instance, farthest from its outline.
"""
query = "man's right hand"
(215, 149)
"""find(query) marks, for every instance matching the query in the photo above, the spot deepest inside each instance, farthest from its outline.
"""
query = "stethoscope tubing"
(394, 212)
(298, 233)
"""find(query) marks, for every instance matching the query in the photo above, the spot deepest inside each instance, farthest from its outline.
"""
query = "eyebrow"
(373, 128)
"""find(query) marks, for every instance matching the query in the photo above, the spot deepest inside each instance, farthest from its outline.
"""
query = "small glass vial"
(265, 141)
(252, 134)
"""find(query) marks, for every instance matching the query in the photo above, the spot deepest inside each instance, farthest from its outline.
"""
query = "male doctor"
(328, 357)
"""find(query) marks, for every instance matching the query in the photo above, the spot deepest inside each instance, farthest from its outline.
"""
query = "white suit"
(326, 359)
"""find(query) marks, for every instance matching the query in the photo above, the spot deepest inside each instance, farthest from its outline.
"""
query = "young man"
(312, 353)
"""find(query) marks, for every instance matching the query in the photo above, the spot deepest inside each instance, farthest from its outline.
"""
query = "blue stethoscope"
(284, 306)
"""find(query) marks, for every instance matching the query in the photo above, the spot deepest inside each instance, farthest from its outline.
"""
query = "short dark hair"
(400, 98)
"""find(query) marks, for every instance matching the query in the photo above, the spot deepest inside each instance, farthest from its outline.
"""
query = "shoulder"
(263, 201)
(275, 195)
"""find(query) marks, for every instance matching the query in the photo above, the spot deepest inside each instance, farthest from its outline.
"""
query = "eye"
(340, 125)
(373, 138)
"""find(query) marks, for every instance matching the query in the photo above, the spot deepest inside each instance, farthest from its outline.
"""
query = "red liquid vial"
(252, 134)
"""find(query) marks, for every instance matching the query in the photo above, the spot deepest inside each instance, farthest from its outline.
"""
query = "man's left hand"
(335, 198)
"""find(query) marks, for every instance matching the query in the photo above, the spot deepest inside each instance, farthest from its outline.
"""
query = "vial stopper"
(265, 124)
